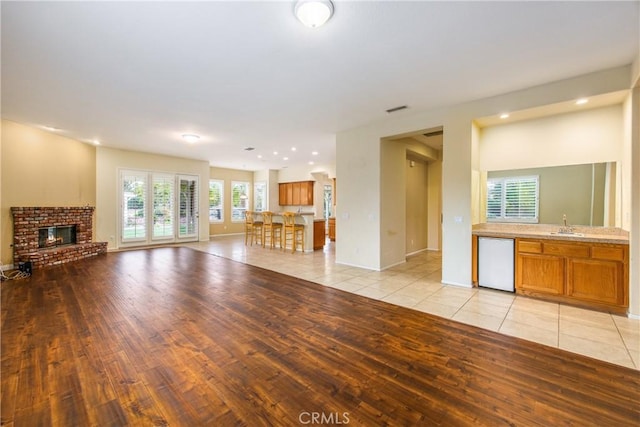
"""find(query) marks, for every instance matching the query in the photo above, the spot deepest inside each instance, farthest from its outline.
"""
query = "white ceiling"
(137, 75)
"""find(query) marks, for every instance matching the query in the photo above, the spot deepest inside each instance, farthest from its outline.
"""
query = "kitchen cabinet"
(296, 193)
(584, 273)
(319, 235)
(332, 229)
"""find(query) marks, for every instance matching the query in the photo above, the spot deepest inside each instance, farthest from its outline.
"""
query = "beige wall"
(587, 136)
(417, 205)
(110, 161)
(42, 169)
(228, 175)
(434, 206)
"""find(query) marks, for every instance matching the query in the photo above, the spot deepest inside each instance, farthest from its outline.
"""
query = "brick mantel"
(28, 220)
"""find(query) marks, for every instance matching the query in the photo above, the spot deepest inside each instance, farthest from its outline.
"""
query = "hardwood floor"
(177, 337)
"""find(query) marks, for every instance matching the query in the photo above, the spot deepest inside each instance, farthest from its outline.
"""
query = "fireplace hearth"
(53, 235)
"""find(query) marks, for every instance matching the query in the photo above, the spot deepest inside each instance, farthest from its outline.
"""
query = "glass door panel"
(188, 206)
(134, 202)
(163, 206)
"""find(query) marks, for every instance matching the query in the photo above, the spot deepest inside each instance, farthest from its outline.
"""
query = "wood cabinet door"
(295, 200)
(540, 273)
(596, 280)
(318, 235)
(306, 193)
(474, 259)
(289, 191)
(332, 229)
(282, 198)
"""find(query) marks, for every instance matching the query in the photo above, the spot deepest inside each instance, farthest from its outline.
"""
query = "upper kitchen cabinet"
(296, 193)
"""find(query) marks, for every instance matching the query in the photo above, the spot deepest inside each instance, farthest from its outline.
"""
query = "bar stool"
(293, 230)
(271, 230)
(252, 228)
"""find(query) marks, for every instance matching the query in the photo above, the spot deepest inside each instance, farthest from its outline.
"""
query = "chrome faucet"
(565, 229)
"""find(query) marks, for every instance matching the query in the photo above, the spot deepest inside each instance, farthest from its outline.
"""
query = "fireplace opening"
(49, 237)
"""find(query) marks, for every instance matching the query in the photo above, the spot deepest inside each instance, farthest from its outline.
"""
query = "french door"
(188, 212)
(157, 207)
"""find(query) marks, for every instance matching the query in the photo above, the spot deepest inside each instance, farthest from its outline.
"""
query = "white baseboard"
(357, 266)
(386, 267)
(462, 285)
(224, 235)
(418, 251)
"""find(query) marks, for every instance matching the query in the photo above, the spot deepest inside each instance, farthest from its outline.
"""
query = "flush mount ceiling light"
(190, 137)
(313, 13)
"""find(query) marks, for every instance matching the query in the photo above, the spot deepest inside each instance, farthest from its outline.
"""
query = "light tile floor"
(417, 284)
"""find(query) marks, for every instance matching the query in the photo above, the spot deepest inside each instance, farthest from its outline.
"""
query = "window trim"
(247, 185)
(265, 201)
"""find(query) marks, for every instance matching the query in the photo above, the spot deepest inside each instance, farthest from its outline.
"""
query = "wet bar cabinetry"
(298, 193)
(584, 273)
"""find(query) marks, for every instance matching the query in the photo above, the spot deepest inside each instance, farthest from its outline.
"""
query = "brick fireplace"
(28, 223)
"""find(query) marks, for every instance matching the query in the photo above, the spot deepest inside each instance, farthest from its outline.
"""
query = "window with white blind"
(216, 200)
(260, 196)
(513, 199)
(239, 200)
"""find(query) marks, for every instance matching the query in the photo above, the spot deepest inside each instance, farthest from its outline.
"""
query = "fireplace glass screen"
(56, 236)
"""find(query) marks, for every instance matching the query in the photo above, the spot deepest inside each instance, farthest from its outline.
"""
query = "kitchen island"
(304, 218)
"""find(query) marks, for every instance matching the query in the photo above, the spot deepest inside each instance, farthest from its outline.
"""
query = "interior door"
(188, 207)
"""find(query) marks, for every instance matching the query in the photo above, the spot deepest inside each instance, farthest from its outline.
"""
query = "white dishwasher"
(495, 263)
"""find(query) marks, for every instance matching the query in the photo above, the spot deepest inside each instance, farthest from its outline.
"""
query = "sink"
(559, 233)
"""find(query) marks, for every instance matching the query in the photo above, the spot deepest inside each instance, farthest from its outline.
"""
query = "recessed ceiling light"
(504, 115)
(190, 137)
(275, 153)
(259, 156)
(293, 148)
(311, 162)
(96, 142)
(285, 158)
(582, 101)
(51, 128)
(314, 153)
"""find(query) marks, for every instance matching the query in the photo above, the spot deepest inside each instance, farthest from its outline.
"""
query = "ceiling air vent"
(434, 133)
(394, 109)
(249, 149)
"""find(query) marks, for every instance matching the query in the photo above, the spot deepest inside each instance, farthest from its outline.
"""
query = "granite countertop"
(546, 231)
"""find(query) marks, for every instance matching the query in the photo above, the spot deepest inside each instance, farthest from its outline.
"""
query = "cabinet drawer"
(530, 247)
(613, 254)
(566, 250)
